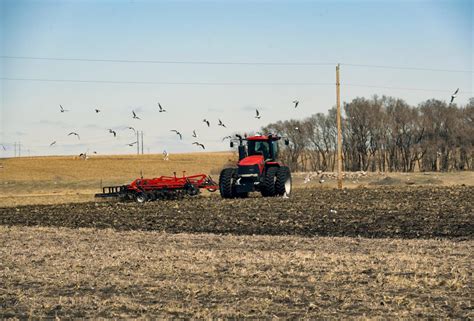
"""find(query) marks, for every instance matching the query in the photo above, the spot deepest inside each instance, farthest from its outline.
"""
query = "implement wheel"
(141, 197)
(226, 183)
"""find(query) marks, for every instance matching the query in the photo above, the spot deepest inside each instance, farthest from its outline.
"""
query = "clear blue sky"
(423, 34)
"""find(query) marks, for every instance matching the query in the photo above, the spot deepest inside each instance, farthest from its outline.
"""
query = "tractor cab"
(257, 169)
(264, 146)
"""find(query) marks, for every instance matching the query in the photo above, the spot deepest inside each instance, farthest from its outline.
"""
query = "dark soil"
(409, 212)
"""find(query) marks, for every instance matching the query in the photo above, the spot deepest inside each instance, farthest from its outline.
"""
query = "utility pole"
(14, 144)
(138, 143)
(142, 142)
(19, 149)
(339, 131)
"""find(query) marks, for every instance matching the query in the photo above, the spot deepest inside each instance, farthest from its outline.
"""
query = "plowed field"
(386, 212)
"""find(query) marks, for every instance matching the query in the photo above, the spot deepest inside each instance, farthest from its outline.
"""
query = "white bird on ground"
(307, 179)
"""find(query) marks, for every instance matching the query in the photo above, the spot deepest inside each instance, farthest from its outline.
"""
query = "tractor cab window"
(259, 148)
(275, 149)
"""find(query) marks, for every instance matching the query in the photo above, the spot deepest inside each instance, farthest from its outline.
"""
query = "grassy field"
(50, 180)
(59, 272)
(62, 179)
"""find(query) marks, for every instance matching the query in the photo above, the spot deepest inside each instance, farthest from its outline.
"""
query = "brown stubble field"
(60, 272)
(390, 246)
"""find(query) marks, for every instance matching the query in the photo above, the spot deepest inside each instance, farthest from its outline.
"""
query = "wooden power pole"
(339, 130)
(138, 143)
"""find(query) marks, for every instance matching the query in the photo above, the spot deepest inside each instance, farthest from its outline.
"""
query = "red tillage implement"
(163, 187)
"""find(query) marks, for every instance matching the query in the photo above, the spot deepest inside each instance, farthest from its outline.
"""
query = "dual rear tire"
(277, 182)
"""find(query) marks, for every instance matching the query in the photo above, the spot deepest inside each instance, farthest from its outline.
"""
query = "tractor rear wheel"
(269, 181)
(226, 183)
(283, 181)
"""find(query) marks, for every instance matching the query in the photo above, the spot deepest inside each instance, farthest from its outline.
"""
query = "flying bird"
(161, 108)
(227, 137)
(135, 115)
(238, 136)
(131, 144)
(73, 133)
(132, 129)
(221, 124)
(194, 134)
(3, 147)
(296, 102)
(454, 95)
(257, 114)
(177, 133)
(97, 111)
(113, 132)
(52, 143)
(199, 144)
(62, 109)
(207, 122)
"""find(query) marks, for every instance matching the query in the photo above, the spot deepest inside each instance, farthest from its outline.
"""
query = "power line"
(175, 62)
(408, 88)
(238, 63)
(408, 68)
(231, 84)
(174, 83)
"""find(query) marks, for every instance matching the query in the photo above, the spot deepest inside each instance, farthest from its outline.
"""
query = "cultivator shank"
(163, 187)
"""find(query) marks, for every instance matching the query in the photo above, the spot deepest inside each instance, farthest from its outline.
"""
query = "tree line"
(383, 134)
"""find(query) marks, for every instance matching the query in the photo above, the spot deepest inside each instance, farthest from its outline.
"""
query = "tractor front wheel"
(226, 183)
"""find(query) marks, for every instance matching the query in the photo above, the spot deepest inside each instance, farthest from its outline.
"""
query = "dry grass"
(48, 272)
(52, 180)
(55, 180)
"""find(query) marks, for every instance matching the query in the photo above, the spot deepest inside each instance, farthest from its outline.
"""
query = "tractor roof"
(263, 138)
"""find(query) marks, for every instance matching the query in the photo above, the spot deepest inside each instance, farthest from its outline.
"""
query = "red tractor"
(257, 169)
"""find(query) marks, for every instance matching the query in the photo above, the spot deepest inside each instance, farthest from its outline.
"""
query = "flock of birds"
(176, 131)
